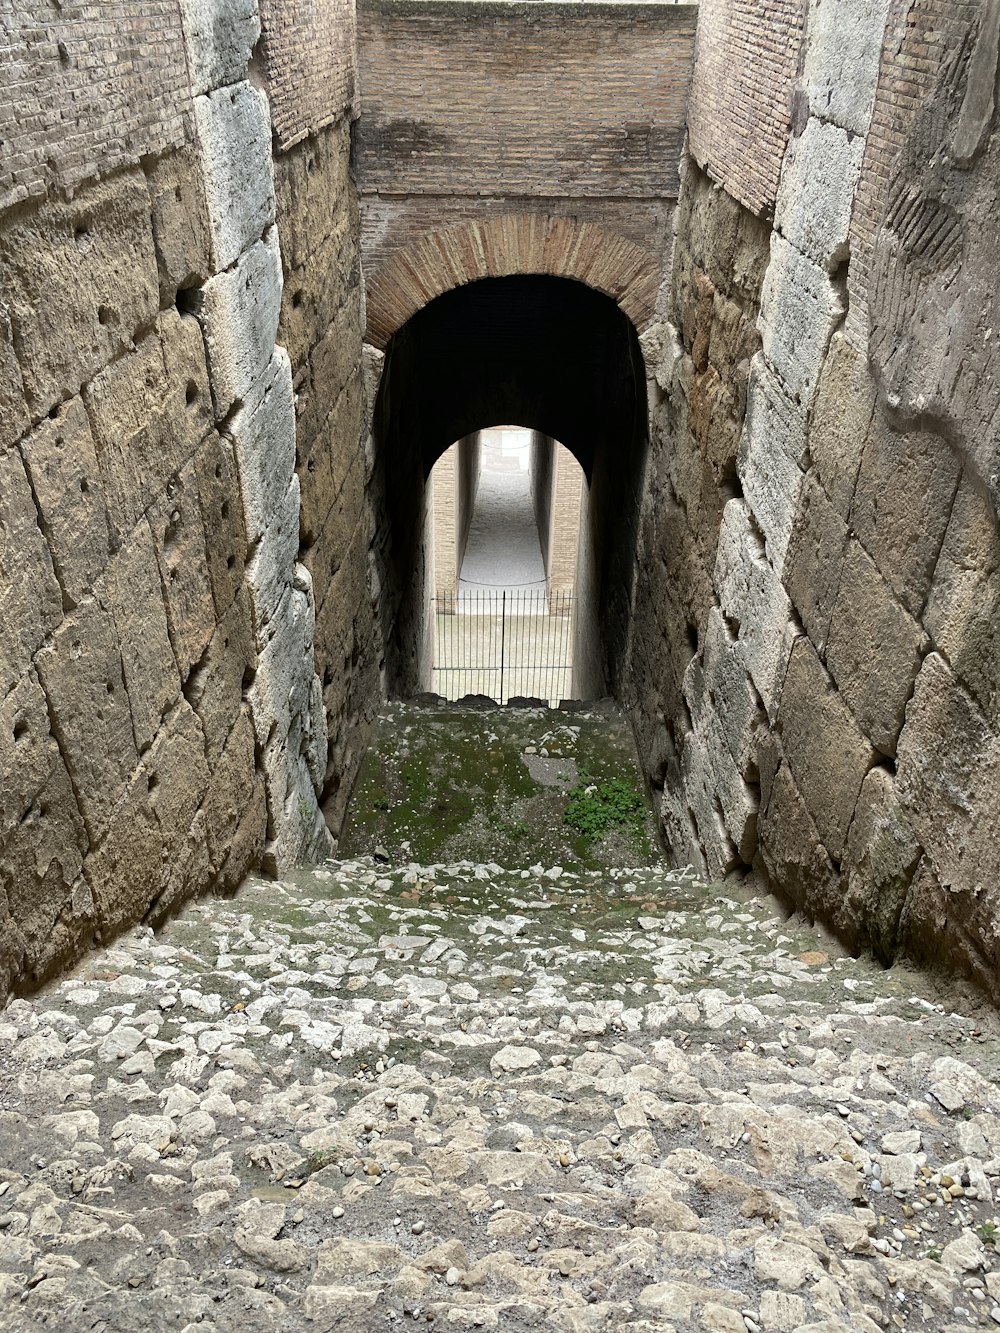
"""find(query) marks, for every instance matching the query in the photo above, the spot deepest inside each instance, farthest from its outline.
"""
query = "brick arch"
(515, 243)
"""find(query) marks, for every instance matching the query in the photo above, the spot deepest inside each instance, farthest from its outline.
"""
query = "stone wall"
(161, 731)
(815, 637)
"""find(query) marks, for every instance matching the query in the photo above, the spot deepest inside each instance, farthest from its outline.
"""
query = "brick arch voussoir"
(515, 243)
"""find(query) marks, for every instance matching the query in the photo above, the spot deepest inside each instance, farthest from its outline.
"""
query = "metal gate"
(504, 643)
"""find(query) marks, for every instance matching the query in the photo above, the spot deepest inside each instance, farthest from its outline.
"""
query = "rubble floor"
(382, 1095)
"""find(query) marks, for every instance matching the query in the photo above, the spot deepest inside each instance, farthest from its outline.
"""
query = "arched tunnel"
(546, 353)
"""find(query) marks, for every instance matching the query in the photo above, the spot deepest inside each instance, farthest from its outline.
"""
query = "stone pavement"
(385, 1097)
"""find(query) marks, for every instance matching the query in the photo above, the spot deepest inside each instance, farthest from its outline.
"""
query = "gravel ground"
(379, 1097)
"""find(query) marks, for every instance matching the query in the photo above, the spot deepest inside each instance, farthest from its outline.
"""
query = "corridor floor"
(386, 1095)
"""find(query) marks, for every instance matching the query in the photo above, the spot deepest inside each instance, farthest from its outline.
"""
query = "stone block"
(180, 222)
(882, 855)
(332, 363)
(271, 567)
(842, 52)
(962, 614)
(149, 667)
(795, 860)
(729, 691)
(231, 790)
(246, 847)
(263, 434)
(28, 751)
(316, 197)
(948, 780)
(903, 498)
(800, 308)
(279, 692)
(238, 311)
(62, 465)
(819, 176)
(126, 870)
(874, 651)
(222, 513)
(80, 280)
(772, 451)
(30, 598)
(215, 687)
(313, 296)
(234, 130)
(176, 761)
(149, 411)
(81, 673)
(814, 560)
(754, 603)
(179, 540)
(325, 556)
(724, 806)
(842, 414)
(14, 419)
(827, 755)
(40, 867)
(219, 36)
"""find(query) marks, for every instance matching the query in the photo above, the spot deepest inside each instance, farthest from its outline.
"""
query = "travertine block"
(845, 401)
(874, 651)
(234, 130)
(772, 448)
(28, 750)
(80, 280)
(81, 673)
(149, 410)
(13, 413)
(219, 36)
(231, 789)
(30, 599)
(239, 311)
(724, 806)
(819, 176)
(827, 754)
(280, 688)
(179, 539)
(62, 465)
(882, 855)
(247, 844)
(126, 870)
(271, 567)
(149, 666)
(263, 434)
(843, 48)
(814, 559)
(963, 608)
(800, 308)
(727, 688)
(948, 779)
(790, 849)
(754, 603)
(222, 514)
(215, 688)
(40, 866)
(901, 505)
(311, 214)
(180, 222)
(332, 364)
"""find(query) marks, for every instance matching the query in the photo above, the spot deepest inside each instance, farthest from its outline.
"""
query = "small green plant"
(934, 1255)
(967, 1112)
(989, 1234)
(380, 803)
(316, 1161)
(595, 807)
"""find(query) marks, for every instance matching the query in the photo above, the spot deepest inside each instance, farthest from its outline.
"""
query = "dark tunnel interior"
(549, 354)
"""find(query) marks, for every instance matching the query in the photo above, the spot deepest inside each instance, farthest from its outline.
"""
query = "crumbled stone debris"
(386, 1096)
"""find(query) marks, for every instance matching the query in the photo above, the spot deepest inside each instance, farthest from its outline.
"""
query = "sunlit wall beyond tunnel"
(550, 355)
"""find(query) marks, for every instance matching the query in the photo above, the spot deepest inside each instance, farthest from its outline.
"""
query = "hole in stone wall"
(191, 397)
(297, 299)
(20, 729)
(105, 315)
(152, 782)
(186, 300)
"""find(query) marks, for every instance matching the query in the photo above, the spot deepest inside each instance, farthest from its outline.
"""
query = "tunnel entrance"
(559, 362)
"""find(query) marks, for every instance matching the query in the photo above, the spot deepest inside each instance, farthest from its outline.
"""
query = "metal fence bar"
(503, 642)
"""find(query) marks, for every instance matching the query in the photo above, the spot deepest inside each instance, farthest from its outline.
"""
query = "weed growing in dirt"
(596, 807)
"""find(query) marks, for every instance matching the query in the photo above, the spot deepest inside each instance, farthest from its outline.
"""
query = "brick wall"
(87, 89)
(475, 113)
(741, 94)
(309, 58)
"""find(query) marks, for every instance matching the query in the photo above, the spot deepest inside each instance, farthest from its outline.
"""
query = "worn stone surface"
(380, 1091)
